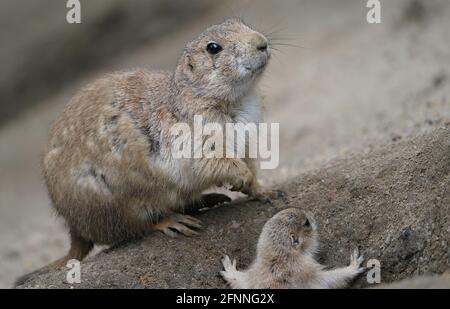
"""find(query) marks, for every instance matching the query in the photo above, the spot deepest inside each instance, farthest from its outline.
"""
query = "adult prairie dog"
(285, 258)
(108, 164)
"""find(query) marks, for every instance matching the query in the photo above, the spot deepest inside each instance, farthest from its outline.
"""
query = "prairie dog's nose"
(262, 47)
(260, 42)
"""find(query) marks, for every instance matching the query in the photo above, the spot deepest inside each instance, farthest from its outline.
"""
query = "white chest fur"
(249, 110)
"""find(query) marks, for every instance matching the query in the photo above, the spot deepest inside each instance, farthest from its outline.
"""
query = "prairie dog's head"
(289, 231)
(223, 62)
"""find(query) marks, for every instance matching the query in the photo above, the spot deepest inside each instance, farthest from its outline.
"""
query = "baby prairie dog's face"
(225, 61)
(292, 229)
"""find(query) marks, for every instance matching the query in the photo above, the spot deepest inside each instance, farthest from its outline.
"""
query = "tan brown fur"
(107, 165)
(285, 258)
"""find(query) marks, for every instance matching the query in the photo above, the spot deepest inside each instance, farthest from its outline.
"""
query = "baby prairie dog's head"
(223, 62)
(289, 231)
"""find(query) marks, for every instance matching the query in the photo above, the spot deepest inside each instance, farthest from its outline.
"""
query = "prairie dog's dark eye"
(294, 240)
(213, 48)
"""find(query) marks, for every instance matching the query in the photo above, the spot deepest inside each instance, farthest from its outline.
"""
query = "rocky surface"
(392, 201)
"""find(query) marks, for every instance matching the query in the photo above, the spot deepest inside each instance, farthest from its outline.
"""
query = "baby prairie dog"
(285, 258)
(108, 165)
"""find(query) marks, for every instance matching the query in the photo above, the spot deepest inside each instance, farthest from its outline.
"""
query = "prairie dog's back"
(101, 143)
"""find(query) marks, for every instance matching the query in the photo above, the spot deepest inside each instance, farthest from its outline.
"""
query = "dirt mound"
(393, 202)
(425, 282)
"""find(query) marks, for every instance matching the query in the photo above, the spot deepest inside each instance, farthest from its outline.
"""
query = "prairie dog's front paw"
(229, 268)
(228, 265)
(243, 180)
(266, 195)
(356, 261)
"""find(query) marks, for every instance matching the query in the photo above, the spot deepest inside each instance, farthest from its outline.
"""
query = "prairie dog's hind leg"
(177, 224)
(79, 249)
(236, 279)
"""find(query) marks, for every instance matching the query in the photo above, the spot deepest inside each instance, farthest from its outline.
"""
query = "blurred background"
(338, 85)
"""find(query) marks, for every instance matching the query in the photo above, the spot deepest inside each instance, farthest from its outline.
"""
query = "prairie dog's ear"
(189, 63)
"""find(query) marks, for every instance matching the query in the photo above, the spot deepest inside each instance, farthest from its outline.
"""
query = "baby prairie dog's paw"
(356, 262)
(229, 272)
(228, 265)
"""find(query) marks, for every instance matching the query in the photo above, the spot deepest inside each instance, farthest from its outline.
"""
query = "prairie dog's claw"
(182, 224)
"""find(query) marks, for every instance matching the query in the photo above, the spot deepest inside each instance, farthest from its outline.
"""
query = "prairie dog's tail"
(79, 249)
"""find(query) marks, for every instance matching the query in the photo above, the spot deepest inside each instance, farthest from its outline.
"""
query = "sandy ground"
(352, 85)
(392, 202)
